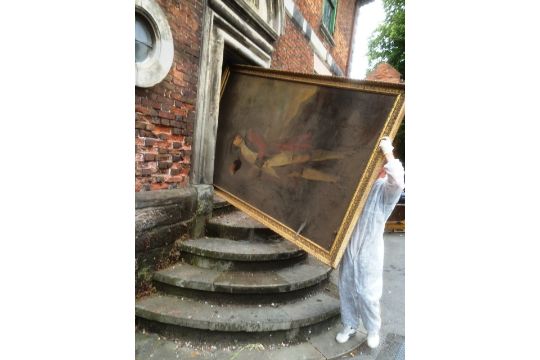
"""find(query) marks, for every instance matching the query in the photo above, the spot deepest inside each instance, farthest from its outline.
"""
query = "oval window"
(154, 48)
(144, 38)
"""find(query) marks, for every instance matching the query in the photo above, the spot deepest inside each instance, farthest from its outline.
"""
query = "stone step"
(230, 265)
(301, 275)
(250, 318)
(221, 206)
(237, 225)
(200, 337)
(219, 201)
(241, 250)
(150, 346)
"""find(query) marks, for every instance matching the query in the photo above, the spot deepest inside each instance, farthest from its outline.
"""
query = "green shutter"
(329, 14)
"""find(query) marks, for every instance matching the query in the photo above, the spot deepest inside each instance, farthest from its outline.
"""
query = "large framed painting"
(299, 153)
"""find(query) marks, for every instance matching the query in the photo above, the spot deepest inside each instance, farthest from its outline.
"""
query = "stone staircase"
(241, 292)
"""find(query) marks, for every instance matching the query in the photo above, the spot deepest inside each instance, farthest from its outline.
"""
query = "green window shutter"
(329, 15)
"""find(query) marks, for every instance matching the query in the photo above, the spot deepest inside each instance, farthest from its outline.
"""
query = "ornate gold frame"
(369, 176)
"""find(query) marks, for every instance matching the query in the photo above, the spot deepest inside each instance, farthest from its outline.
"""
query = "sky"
(370, 16)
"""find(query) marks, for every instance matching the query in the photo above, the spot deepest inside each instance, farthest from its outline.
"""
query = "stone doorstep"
(219, 201)
(221, 207)
(236, 219)
(299, 276)
(223, 226)
(182, 311)
(242, 250)
(320, 347)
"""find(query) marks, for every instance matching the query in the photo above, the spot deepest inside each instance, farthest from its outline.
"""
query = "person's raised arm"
(393, 167)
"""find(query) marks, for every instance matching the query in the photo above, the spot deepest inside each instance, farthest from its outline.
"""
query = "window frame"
(152, 34)
(155, 67)
(330, 28)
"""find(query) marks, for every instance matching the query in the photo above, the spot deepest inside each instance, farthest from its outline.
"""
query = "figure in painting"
(269, 157)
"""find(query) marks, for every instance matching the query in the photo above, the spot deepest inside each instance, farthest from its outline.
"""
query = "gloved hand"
(386, 145)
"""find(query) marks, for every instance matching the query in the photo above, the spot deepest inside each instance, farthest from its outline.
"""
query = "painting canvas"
(299, 152)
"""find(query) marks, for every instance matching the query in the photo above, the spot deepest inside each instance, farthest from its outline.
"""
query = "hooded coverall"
(361, 272)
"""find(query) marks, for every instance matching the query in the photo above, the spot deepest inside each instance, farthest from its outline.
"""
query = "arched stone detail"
(269, 14)
(235, 25)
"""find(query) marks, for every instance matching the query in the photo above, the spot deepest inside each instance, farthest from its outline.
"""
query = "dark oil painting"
(294, 149)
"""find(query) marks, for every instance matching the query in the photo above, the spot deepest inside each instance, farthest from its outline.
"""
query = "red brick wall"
(384, 72)
(292, 51)
(312, 11)
(165, 113)
(343, 33)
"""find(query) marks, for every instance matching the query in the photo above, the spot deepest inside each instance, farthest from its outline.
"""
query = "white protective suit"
(361, 272)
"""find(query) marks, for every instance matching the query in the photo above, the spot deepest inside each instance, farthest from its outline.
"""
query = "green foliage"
(387, 43)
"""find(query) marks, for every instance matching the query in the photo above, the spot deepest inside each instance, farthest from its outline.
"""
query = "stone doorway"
(230, 37)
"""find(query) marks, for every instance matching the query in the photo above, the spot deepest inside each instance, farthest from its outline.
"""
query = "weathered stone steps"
(186, 312)
(241, 285)
(301, 275)
(241, 250)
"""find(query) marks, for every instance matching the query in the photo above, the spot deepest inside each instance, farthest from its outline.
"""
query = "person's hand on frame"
(386, 145)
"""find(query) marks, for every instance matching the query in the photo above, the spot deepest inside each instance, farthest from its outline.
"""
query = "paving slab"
(154, 347)
(327, 345)
(321, 347)
(299, 352)
(393, 347)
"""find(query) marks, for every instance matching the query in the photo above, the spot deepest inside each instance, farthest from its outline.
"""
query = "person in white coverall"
(361, 271)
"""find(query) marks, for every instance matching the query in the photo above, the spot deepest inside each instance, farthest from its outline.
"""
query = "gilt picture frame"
(299, 152)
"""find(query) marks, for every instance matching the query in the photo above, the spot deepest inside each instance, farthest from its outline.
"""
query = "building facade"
(176, 112)
(182, 48)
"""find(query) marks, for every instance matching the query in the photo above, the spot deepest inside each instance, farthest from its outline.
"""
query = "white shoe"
(373, 340)
(344, 335)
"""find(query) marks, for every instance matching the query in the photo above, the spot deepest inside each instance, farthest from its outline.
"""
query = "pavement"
(392, 333)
